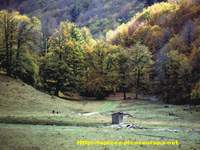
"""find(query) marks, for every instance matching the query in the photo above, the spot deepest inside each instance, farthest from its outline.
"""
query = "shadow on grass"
(41, 121)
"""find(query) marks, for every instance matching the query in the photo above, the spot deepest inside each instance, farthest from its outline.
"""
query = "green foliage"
(140, 57)
(140, 62)
(26, 68)
(168, 34)
(19, 35)
(64, 65)
(177, 78)
(101, 75)
(124, 71)
(195, 62)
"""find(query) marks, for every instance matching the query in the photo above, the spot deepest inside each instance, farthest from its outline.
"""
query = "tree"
(8, 25)
(55, 74)
(140, 62)
(195, 62)
(19, 40)
(177, 77)
(101, 75)
(27, 42)
(64, 65)
(195, 94)
(124, 72)
(134, 64)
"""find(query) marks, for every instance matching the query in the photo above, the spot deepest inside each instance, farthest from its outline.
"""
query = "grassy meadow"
(27, 121)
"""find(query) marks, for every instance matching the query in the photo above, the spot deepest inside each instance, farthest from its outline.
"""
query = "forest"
(156, 53)
(99, 74)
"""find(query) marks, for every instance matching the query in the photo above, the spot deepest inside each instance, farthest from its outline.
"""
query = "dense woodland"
(156, 53)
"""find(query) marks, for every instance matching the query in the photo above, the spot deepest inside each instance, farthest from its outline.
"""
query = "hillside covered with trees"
(171, 32)
(99, 74)
(98, 15)
(155, 53)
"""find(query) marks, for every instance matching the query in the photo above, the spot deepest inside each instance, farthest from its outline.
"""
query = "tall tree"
(177, 77)
(140, 63)
(101, 76)
(64, 65)
(19, 40)
(8, 27)
(124, 72)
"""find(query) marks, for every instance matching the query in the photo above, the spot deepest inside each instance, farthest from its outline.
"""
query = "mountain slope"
(98, 15)
(16, 96)
(21, 103)
(171, 31)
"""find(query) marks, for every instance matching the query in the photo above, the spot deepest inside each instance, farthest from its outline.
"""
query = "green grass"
(65, 137)
(27, 122)
(108, 106)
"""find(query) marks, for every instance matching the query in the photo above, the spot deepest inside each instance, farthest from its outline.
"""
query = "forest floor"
(27, 121)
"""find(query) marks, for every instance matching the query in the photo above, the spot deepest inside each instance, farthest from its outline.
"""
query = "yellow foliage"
(22, 18)
(70, 44)
(149, 14)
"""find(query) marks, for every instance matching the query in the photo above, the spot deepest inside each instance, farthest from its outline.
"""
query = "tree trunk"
(57, 89)
(7, 46)
(114, 91)
(11, 47)
(18, 49)
(57, 92)
(124, 91)
(137, 84)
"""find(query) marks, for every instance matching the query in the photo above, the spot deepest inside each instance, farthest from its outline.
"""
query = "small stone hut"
(117, 118)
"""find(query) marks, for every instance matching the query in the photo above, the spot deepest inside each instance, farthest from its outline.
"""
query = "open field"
(27, 121)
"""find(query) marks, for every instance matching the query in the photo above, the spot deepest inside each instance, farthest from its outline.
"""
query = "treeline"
(157, 53)
(171, 32)
(70, 59)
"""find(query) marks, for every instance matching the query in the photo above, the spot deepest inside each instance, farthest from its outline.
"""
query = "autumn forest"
(99, 74)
